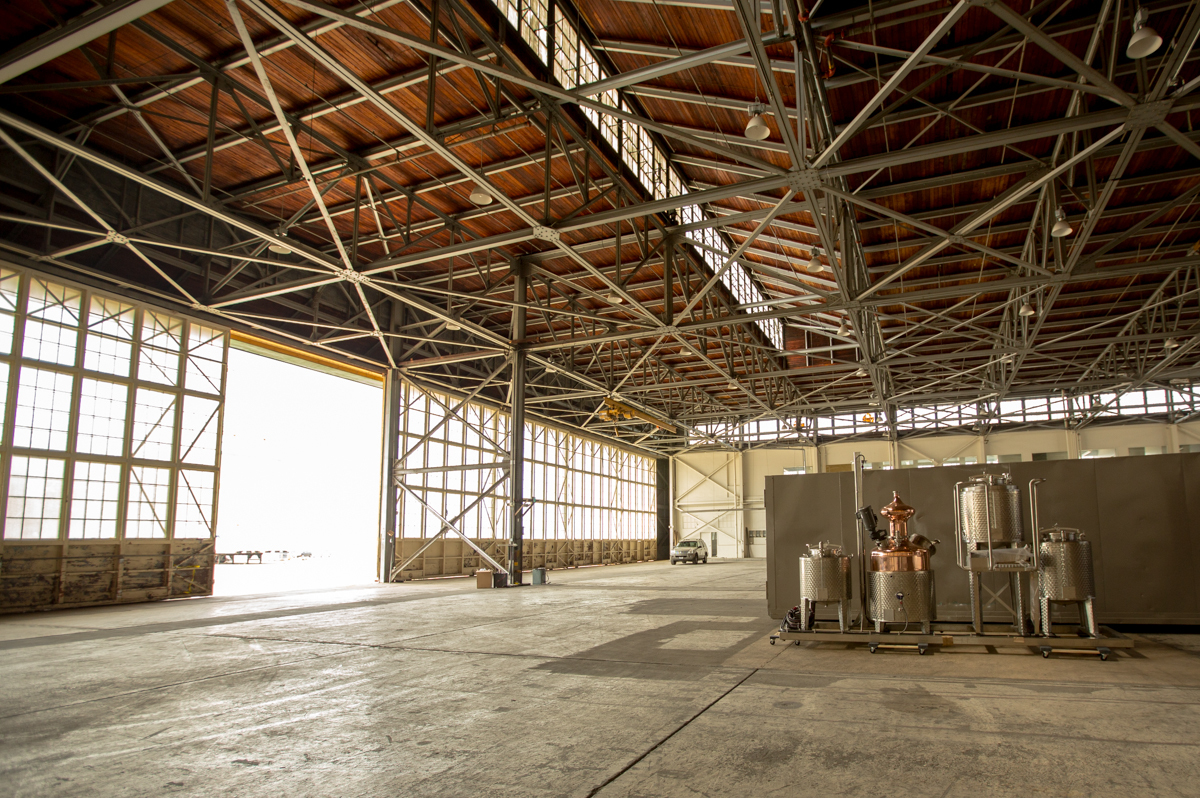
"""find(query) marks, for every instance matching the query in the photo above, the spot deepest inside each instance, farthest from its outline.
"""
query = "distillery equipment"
(1065, 571)
(988, 538)
(824, 579)
(900, 579)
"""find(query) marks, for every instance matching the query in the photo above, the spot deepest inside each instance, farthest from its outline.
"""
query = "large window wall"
(454, 454)
(1174, 403)
(112, 417)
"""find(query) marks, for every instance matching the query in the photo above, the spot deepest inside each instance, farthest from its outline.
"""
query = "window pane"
(153, 425)
(194, 504)
(102, 409)
(149, 499)
(95, 500)
(198, 435)
(35, 490)
(43, 409)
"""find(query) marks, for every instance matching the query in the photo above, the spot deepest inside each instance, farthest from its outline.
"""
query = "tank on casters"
(824, 579)
(901, 582)
(1065, 571)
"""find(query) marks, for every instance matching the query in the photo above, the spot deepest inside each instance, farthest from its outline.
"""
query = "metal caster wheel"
(1045, 652)
(772, 641)
(922, 648)
(797, 642)
(873, 648)
(1104, 652)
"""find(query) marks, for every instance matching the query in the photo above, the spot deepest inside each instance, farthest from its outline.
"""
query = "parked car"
(689, 551)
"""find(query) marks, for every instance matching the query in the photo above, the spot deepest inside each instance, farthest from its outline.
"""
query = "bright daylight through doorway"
(311, 442)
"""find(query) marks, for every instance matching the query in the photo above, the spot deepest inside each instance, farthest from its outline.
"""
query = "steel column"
(516, 426)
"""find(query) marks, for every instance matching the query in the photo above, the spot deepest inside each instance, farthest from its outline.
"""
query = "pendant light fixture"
(1172, 343)
(860, 373)
(276, 247)
(1061, 227)
(1027, 310)
(1145, 40)
(756, 128)
(843, 329)
(614, 298)
(480, 196)
(814, 263)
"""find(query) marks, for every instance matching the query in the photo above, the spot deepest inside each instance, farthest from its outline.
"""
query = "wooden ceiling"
(921, 150)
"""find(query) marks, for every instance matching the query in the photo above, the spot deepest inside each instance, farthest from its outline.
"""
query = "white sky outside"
(299, 467)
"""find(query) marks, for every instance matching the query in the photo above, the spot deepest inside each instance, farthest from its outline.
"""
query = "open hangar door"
(301, 452)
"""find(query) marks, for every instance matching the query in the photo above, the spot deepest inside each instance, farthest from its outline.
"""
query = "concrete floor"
(640, 680)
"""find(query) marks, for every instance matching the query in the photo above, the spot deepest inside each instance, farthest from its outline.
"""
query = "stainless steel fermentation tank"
(824, 579)
(1066, 574)
(987, 519)
(900, 580)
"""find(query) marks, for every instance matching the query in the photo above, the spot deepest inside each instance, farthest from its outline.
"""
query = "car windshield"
(688, 544)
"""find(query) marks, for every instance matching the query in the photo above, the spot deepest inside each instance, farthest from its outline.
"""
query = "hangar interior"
(620, 269)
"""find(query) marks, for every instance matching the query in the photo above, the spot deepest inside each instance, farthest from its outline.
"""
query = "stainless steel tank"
(989, 509)
(902, 597)
(901, 582)
(1066, 574)
(825, 574)
(987, 517)
(824, 579)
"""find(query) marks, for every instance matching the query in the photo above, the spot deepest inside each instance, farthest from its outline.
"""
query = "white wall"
(729, 500)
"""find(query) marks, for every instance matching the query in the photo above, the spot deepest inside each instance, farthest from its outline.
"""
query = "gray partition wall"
(1142, 515)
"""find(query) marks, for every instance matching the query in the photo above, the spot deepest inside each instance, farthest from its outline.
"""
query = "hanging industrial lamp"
(756, 128)
(1061, 227)
(860, 373)
(277, 247)
(453, 325)
(1027, 310)
(1172, 343)
(1145, 40)
(480, 196)
(814, 263)
(843, 329)
(615, 298)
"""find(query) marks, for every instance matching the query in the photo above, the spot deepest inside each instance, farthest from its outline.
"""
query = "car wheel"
(706, 561)
(672, 562)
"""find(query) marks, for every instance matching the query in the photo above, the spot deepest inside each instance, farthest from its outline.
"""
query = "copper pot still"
(899, 552)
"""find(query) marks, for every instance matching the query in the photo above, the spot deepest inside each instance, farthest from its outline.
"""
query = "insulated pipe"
(1043, 620)
(959, 544)
(859, 459)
